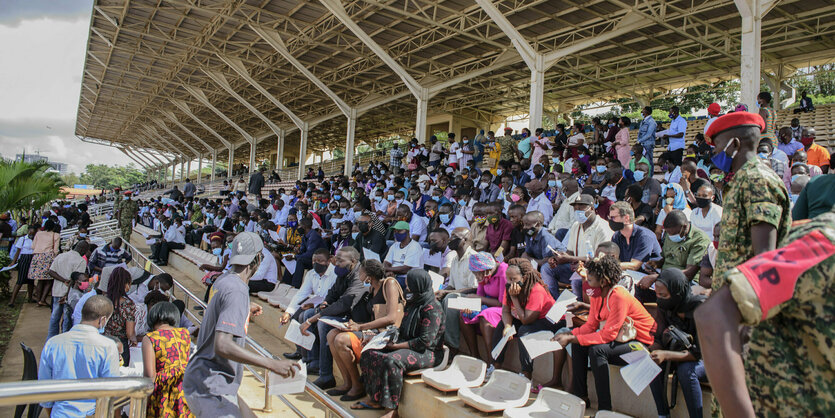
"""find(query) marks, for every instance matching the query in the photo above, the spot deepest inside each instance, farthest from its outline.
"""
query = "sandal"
(537, 389)
(45, 305)
(363, 405)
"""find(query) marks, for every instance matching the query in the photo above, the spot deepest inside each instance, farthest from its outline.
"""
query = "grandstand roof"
(149, 62)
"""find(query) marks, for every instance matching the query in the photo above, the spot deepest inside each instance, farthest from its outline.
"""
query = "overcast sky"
(42, 45)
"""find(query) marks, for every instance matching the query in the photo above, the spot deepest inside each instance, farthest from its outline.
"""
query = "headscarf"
(420, 294)
(482, 261)
(679, 202)
(681, 299)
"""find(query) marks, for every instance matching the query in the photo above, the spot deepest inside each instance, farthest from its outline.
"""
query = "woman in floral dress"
(165, 353)
(419, 346)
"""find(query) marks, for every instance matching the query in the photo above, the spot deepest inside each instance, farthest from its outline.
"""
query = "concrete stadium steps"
(418, 399)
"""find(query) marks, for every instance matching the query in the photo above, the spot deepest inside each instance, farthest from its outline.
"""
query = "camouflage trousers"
(126, 231)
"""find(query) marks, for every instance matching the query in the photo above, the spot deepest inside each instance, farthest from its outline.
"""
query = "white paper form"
(334, 323)
(559, 307)
(503, 342)
(539, 343)
(378, 342)
(289, 264)
(370, 255)
(294, 335)
(437, 280)
(463, 303)
(286, 385)
(274, 235)
(640, 371)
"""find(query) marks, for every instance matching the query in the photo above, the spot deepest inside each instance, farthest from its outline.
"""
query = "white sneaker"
(489, 372)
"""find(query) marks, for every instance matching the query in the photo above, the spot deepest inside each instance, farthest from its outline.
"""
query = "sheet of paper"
(13, 266)
(294, 335)
(560, 306)
(640, 371)
(459, 154)
(378, 342)
(274, 235)
(503, 342)
(437, 280)
(151, 241)
(370, 255)
(148, 265)
(462, 303)
(290, 264)
(333, 323)
(314, 300)
(539, 343)
(144, 234)
(286, 385)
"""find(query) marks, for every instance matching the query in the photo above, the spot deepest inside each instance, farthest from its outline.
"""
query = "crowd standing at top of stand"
(513, 220)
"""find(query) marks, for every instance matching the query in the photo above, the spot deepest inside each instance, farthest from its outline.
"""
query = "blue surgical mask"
(794, 177)
(378, 198)
(82, 234)
(723, 161)
(332, 211)
(343, 211)
(336, 196)
(217, 251)
(552, 183)
(639, 175)
(556, 160)
(581, 216)
(601, 169)
(559, 184)
(763, 155)
(498, 171)
(436, 198)
(390, 197)
(444, 217)
(354, 235)
(793, 197)
(676, 238)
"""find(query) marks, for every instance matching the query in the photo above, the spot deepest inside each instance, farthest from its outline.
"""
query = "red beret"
(733, 120)
(128, 193)
(714, 109)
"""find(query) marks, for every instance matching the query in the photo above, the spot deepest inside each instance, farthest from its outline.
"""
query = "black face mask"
(615, 226)
(437, 248)
(668, 304)
(530, 232)
(320, 268)
(702, 202)
(363, 227)
(454, 244)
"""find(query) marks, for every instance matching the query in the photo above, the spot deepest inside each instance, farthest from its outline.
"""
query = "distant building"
(61, 168)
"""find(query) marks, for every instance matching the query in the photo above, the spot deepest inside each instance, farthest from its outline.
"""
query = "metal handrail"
(314, 391)
(108, 393)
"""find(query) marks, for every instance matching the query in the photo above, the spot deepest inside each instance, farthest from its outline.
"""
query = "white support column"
(752, 12)
(251, 157)
(214, 164)
(537, 94)
(174, 172)
(349, 142)
(199, 168)
(183, 170)
(188, 169)
(231, 162)
(279, 149)
(303, 149)
(422, 109)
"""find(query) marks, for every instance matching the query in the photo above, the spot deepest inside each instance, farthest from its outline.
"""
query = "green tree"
(70, 179)
(27, 186)
(108, 177)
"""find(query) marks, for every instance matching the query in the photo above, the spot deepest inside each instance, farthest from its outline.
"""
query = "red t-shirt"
(539, 300)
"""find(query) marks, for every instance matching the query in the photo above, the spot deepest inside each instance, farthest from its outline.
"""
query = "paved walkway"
(31, 330)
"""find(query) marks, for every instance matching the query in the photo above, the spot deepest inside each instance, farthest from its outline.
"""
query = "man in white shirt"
(317, 282)
(459, 281)
(266, 276)
(60, 270)
(404, 255)
(449, 221)
(539, 200)
(675, 134)
(564, 217)
(174, 238)
(434, 257)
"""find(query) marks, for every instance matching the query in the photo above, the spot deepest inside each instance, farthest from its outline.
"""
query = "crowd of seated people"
(514, 221)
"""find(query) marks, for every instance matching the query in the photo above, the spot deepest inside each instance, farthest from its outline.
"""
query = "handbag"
(674, 339)
(627, 330)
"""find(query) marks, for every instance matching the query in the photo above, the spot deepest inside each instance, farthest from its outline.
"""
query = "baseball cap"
(245, 247)
(583, 199)
(401, 225)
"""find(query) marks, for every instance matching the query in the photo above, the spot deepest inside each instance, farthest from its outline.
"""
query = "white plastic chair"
(462, 373)
(442, 365)
(504, 390)
(550, 403)
(278, 291)
(284, 301)
(610, 414)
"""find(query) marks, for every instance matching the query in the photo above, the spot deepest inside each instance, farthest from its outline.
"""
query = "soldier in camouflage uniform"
(787, 296)
(128, 208)
(756, 205)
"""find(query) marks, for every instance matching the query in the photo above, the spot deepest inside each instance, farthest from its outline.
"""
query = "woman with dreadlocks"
(616, 321)
(527, 301)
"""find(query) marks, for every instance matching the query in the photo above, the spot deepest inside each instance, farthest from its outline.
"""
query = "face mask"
(399, 202)
(669, 200)
(493, 219)
(793, 197)
(445, 217)
(552, 183)
(436, 248)
(362, 226)
(332, 211)
(676, 238)
(524, 134)
(716, 177)
(480, 220)
(667, 304)
(615, 226)
(454, 244)
(436, 198)
(763, 155)
(83, 286)
(101, 330)
(400, 236)
(320, 268)
(82, 234)
(409, 296)
(672, 116)
(336, 197)
(341, 271)
(807, 141)
(217, 251)
(292, 224)
(498, 171)
(702, 202)
(722, 160)
(601, 169)
(639, 175)
(531, 232)
(559, 184)
(343, 211)
(581, 216)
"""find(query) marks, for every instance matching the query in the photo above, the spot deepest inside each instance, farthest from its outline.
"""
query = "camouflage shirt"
(756, 195)
(508, 148)
(128, 209)
(787, 295)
